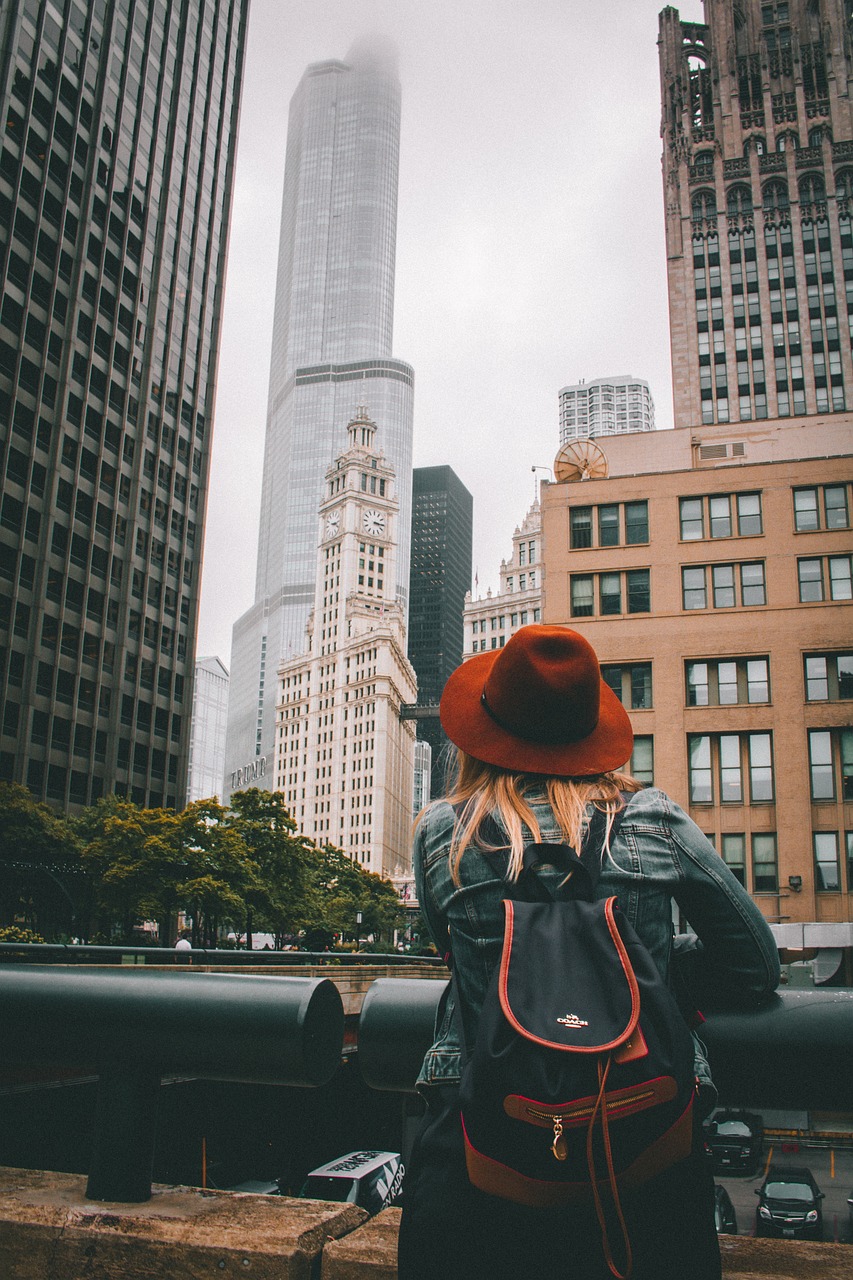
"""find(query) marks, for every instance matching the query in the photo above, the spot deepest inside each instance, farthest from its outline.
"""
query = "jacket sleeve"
(734, 959)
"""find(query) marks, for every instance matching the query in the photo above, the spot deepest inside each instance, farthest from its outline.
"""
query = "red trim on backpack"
(619, 1103)
(508, 1184)
(622, 953)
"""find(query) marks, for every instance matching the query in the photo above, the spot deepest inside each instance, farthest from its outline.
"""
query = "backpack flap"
(566, 981)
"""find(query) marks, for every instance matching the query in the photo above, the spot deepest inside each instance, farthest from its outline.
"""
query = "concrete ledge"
(49, 1231)
(369, 1253)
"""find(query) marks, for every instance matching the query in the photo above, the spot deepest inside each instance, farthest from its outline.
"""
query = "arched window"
(704, 163)
(703, 205)
(755, 143)
(701, 91)
(738, 200)
(775, 196)
(788, 141)
(812, 189)
(844, 185)
(817, 135)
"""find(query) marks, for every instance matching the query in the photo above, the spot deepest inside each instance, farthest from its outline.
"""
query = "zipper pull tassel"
(558, 1146)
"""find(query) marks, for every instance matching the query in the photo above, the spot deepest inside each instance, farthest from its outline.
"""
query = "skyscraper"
(442, 531)
(207, 731)
(115, 189)
(605, 407)
(758, 187)
(345, 757)
(331, 351)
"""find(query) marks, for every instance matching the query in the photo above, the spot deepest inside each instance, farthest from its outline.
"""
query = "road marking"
(769, 1158)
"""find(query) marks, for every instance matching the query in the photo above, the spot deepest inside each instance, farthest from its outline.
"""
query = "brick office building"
(710, 568)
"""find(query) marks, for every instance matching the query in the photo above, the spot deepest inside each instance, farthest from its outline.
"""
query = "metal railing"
(81, 954)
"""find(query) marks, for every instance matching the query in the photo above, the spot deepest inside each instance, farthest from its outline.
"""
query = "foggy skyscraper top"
(331, 351)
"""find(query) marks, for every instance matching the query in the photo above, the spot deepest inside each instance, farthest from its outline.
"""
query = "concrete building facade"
(116, 174)
(345, 757)
(757, 134)
(492, 619)
(331, 350)
(724, 621)
(605, 407)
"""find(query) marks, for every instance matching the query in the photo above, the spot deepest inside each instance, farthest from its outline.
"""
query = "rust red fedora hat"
(539, 705)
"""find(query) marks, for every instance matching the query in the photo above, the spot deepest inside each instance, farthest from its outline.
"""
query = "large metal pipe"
(794, 1052)
(277, 1030)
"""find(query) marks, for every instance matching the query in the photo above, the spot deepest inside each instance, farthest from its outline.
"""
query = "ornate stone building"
(344, 758)
(491, 620)
(758, 177)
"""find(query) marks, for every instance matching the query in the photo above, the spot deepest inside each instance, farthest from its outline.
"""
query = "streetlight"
(358, 919)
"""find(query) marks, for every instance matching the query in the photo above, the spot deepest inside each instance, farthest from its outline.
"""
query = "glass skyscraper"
(331, 352)
(119, 130)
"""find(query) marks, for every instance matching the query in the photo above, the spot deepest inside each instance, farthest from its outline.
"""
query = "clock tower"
(344, 758)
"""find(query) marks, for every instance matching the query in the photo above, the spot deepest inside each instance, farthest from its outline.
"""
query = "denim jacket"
(658, 854)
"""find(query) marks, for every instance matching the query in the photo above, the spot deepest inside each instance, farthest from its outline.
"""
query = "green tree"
(341, 889)
(42, 883)
(278, 898)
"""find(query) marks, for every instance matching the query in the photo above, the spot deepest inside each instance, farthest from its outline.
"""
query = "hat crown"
(545, 686)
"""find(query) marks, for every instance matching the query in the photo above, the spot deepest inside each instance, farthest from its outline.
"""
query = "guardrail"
(136, 1026)
(80, 953)
(793, 1052)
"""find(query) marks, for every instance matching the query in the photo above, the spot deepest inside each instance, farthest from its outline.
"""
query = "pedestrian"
(541, 740)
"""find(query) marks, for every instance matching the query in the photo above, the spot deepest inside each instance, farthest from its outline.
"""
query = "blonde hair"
(480, 789)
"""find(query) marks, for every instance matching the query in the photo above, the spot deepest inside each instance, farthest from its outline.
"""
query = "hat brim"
(468, 724)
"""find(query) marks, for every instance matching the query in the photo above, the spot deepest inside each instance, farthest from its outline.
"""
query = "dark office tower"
(758, 181)
(119, 128)
(442, 518)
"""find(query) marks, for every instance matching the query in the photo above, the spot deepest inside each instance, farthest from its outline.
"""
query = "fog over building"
(331, 351)
(115, 191)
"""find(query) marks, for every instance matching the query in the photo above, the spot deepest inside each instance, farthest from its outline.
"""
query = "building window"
(639, 591)
(582, 595)
(814, 574)
(727, 682)
(765, 874)
(821, 508)
(636, 522)
(720, 763)
(724, 580)
(849, 841)
(632, 683)
(733, 847)
(608, 526)
(642, 763)
(828, 676)
(831, 753)
(611, 591)
(826, 875)
(581, 527)
(715, 513)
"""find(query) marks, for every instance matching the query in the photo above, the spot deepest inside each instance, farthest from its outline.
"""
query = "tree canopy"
(246, 868)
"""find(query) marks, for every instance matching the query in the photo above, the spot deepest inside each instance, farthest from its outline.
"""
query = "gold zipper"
(616, 1104)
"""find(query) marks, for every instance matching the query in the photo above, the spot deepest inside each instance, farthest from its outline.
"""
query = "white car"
(371, 1179)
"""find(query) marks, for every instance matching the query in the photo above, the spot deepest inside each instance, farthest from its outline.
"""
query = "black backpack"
(580, 1082)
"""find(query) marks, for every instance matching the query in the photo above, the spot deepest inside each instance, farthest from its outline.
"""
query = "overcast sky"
(530, 246)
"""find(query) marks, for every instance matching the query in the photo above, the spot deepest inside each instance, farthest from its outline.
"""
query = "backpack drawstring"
(599, 1110)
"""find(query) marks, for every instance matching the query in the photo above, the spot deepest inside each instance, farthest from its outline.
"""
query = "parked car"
(725, 1217)
(789, 1202)
(371, 1179)
(734, 1140)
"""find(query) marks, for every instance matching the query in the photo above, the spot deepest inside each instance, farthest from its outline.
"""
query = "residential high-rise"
(115, 190)
(757, 130)
(605, 407)
(207, 729)
(442, 533)
(344, 755)
(331, 350)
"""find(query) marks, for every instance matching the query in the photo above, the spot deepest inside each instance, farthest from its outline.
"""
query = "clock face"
(333, 524)
(373, 521)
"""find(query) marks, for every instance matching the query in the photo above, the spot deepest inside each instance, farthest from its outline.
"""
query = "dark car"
(724, 1212)
(789, 1204)
(734, 1139)
(371, 1179)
